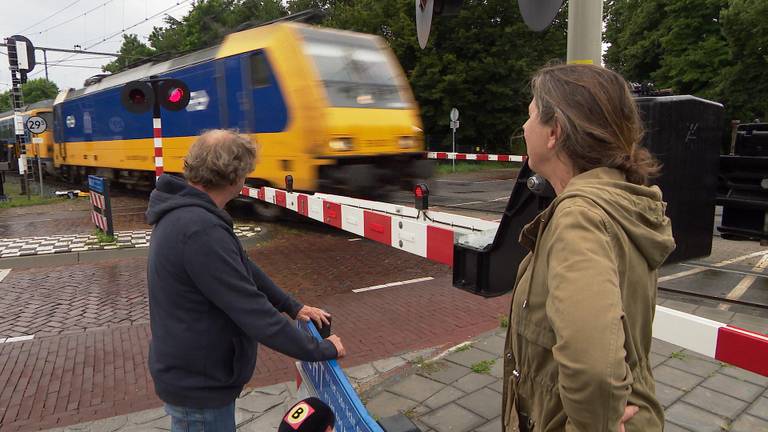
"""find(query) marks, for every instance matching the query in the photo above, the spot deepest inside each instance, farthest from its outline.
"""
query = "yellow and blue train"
(37, 144)
(331, 108)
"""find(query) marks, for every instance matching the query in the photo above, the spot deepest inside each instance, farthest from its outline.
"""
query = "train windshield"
(355, 71)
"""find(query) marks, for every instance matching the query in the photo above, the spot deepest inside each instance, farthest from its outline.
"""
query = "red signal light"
(421, 196)
(418, 192)
(175, 95)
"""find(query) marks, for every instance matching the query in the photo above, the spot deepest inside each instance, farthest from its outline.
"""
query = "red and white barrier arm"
(432, 235)
(476, 157)
(429, 235)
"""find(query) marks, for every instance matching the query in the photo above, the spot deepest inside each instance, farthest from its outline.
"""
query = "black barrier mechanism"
(101, 205)
(289, 183)
(421, 196)
(683, 132)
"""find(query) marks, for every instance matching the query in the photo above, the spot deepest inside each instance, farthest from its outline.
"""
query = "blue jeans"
(202, 419)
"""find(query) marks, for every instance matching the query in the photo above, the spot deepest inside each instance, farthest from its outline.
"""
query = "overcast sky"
(66, 23)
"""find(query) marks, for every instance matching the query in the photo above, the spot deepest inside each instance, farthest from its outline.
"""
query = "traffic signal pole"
(17, 101)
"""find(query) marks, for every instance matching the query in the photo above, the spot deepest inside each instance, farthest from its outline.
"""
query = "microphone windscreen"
(308, 415)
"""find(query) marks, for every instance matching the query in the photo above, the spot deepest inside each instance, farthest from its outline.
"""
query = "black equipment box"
(683, 132)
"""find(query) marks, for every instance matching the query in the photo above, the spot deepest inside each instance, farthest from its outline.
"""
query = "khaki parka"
(583, 305)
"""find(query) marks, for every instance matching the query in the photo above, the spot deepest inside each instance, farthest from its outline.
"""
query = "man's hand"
(629, 412)
(317, 315)
(337, 343)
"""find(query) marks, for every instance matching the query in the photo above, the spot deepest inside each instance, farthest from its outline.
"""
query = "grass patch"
(102, 237)
(503, 321)
(678, 355)
(444, 167)
(482, 367)
(462, 348)
(12, 189)
(428, 367)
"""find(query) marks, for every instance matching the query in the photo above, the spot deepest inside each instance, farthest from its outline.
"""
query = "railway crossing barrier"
(432, 235)
(476, 157)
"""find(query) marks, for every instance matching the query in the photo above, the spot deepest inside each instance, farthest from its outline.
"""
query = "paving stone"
(745, 375)
(676, 378)
(362, 372)
(473, 382)
(492, 426)
(657, 359)
(667, 395)
(694, 418)
(445, 372)
(750, 322)
(268, 421)
(387, 365)
(259, 403)
(386, 404)
(452, 418)
(112, 424)
(663, 348)
(497, 386)
(147, 416)
(419, 355)
(680, 306)
(497, 370)
(274, 390)
(760, 408)
(693, 365)
(671, 427)
(492, 344)
(469, 357)
(485, 402)
(416, 387)
(715, 402)
(443, 397)
(748, 423)
(733, 387)
(715, 314)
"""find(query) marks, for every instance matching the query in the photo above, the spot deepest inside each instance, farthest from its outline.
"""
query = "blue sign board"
(332, 387)
(96, 184)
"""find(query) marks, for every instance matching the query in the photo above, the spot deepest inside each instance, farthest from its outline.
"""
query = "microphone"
(308, 415)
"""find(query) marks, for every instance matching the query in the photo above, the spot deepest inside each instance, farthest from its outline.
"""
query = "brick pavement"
(100, 373)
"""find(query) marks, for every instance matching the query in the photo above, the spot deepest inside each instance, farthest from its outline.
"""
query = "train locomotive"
(331, 108)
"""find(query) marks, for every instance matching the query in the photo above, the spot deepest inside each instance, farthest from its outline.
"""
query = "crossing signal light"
(137, 97)
(421, 196)
(173, 94)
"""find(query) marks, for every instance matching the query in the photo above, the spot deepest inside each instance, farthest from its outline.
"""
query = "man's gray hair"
(219, 158)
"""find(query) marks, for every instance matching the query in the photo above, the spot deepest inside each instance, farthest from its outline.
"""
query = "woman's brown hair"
(598, 119)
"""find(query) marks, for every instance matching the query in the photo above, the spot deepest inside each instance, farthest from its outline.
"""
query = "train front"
(374, 138)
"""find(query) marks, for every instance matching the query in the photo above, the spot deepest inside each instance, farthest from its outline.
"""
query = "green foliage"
(131, 51)
(678, 355)
(103, 237)
(503, 321)
(715, 49)
(462, 167)
(482, 367)
(33, 91)
(464, 347)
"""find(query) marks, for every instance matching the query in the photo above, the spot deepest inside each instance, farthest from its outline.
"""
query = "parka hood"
(638, 210)
(172, 193)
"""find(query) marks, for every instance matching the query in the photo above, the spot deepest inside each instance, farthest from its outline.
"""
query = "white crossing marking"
(747, 281)
(18, 339)
(4, 273)
(354, 239)
(375, 287)
(720, 264)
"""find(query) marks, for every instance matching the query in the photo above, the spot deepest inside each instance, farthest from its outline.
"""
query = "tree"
(479, 61)
(131, 51)
(743, 85)
(33, 91)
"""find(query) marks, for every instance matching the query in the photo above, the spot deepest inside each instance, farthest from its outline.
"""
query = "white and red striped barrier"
(157, 129)
(431, 235)
(97, 217)
(476, 157)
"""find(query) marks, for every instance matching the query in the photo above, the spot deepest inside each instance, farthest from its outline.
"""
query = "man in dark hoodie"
(209, 305)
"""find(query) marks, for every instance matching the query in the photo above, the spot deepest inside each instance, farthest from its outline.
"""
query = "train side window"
(261, 76)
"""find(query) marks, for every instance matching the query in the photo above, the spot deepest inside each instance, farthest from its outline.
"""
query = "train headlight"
(340, 144)
(407, 142)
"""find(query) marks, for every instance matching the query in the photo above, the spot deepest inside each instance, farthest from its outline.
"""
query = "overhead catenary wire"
(74, 17)
(49, 16)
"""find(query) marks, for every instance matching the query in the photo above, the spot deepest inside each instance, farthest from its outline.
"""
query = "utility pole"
(585, 32)
(21, 58)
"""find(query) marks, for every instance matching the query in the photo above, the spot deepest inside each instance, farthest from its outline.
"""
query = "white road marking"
(376, 287)
(354, 239)
(4, 273)
(747, 281)
(720, 264)
(17, 339)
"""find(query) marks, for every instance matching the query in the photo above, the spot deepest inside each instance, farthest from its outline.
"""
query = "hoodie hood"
(638, 210)
(172, 192)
